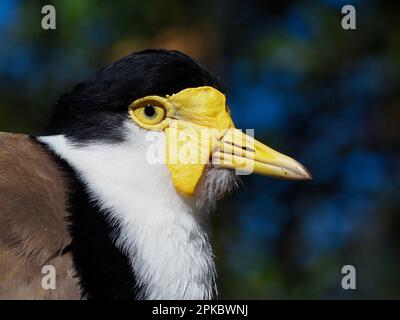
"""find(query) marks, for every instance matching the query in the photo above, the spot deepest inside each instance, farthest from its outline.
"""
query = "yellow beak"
(201, 128)
(246, 155)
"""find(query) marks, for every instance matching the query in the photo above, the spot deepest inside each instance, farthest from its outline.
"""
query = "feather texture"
(33, 230)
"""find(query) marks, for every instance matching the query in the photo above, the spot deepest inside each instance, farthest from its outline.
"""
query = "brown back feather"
(33, 226)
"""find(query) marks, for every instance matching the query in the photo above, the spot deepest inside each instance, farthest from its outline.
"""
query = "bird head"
(168, 95)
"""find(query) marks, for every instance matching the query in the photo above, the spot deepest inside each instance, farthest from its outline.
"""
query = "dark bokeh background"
(327, 96)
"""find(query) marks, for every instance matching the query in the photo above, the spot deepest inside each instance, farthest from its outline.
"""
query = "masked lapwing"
(115, 196)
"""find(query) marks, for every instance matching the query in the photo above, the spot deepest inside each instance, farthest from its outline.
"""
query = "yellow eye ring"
(148, 112)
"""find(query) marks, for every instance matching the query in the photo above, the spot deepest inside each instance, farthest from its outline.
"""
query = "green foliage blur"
(327, 96)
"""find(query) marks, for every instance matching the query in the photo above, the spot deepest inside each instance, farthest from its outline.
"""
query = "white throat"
(163, 234)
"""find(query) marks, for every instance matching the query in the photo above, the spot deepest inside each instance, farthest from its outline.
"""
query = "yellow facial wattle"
(198, 128)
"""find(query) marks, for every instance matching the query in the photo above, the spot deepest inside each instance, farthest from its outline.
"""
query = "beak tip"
(304, 173)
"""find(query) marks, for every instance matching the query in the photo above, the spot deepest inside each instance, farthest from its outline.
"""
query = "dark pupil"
(149, 111)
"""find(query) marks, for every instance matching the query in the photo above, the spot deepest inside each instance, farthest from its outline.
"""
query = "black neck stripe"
(104, 271)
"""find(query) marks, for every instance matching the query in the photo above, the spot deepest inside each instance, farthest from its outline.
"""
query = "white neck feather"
(163, 234)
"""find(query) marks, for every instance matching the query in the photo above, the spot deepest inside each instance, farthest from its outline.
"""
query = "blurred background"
(326, 96)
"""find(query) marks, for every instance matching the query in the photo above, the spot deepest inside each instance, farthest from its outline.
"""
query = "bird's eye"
(149, 112)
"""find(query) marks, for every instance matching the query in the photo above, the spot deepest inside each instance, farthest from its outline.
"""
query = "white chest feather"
(162, 233)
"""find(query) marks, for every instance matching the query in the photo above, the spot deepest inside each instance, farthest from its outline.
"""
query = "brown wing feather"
(33, 227)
